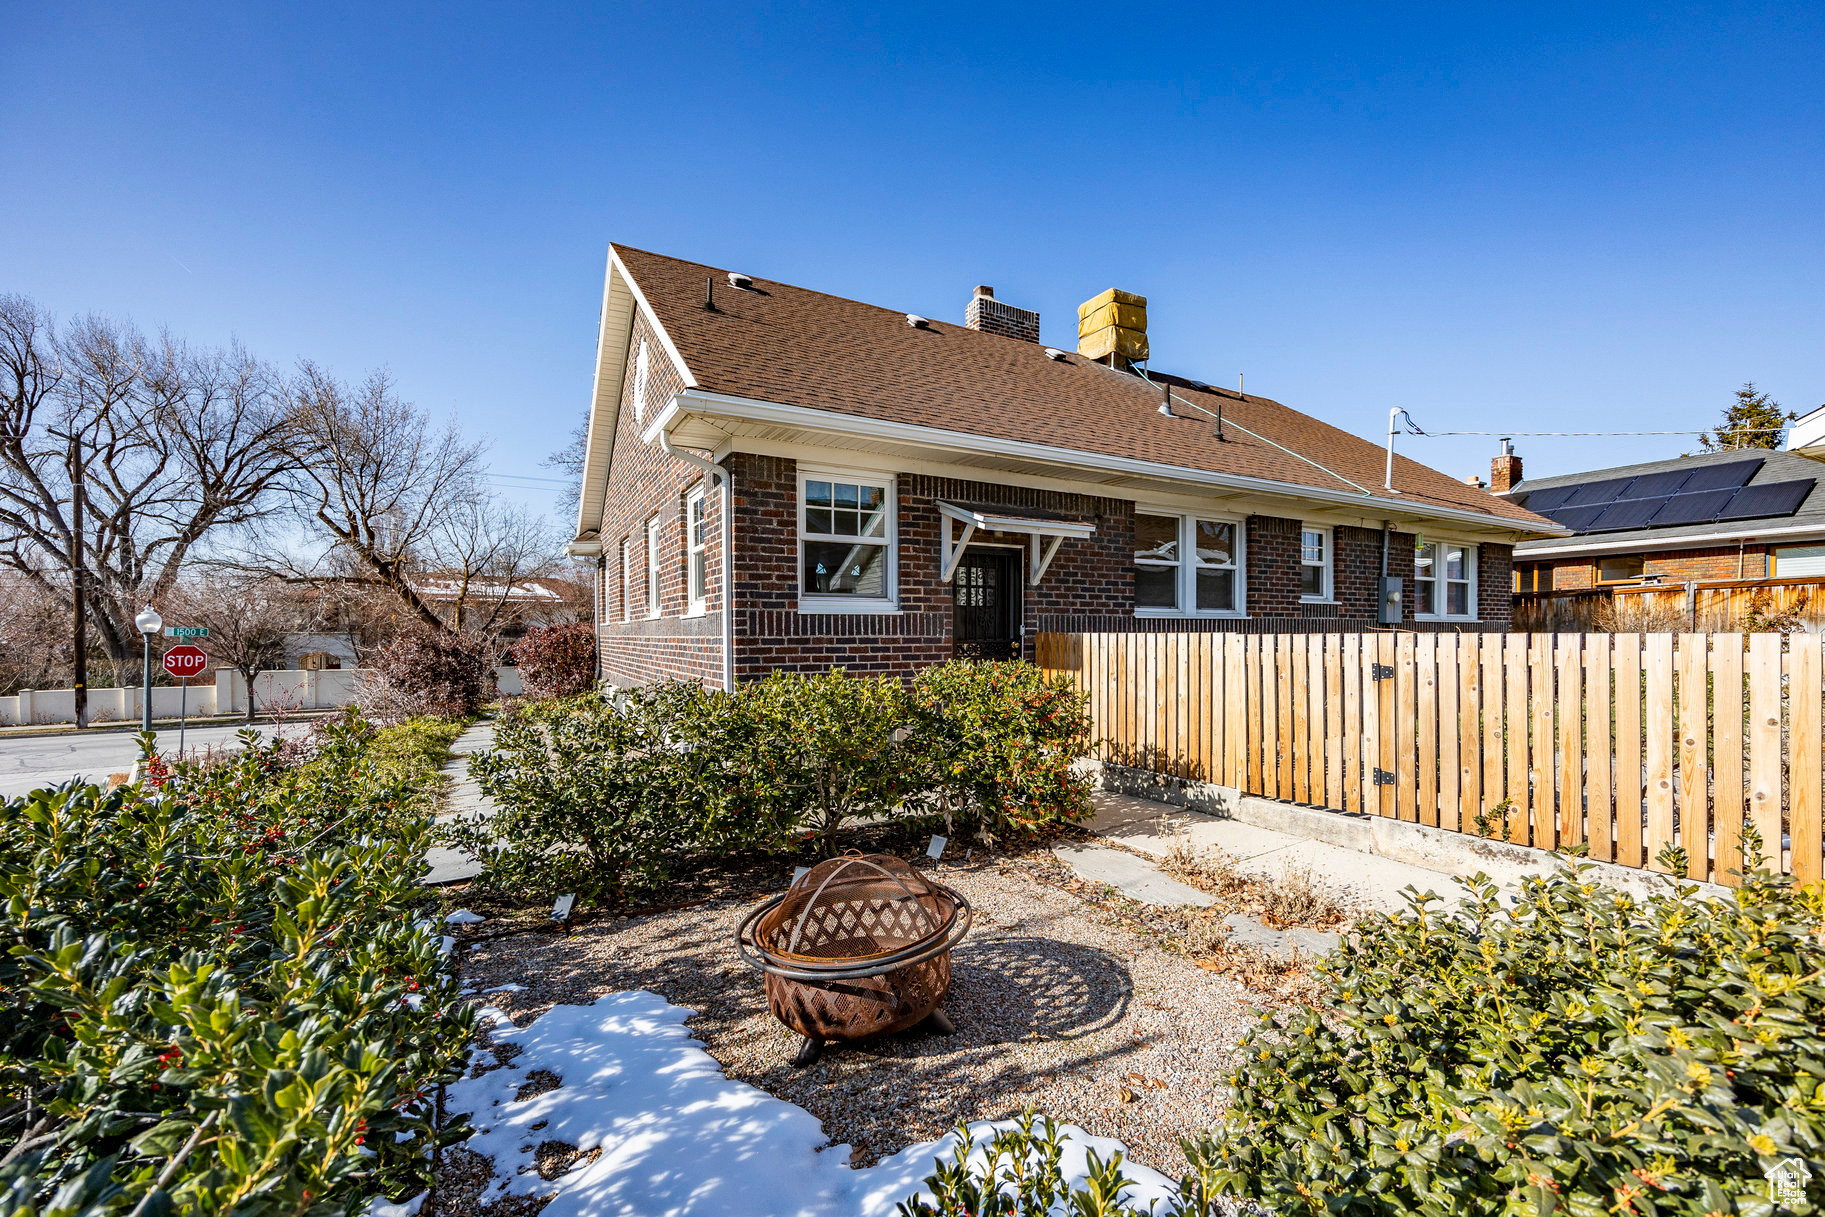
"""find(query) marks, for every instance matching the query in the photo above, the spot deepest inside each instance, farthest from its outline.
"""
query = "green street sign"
(187, 631)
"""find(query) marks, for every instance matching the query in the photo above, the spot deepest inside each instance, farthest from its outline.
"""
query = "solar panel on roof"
(1700, 508)
(1578, 519)
(1627, 513)
(1768, 499)
(1727, 476)
(1549, 498)
(1591, 493)
(1657, 485)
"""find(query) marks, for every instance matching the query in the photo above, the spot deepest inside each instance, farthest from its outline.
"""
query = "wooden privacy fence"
(1627, 743)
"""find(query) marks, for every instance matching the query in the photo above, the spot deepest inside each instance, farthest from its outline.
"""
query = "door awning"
(1044, 534)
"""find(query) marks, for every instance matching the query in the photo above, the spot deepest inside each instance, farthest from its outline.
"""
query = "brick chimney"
(1505, 470)
(991, 316)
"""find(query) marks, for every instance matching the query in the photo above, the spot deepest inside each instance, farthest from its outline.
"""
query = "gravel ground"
(1058, 1004)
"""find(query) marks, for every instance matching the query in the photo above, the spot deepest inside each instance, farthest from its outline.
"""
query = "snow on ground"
(677, 1137)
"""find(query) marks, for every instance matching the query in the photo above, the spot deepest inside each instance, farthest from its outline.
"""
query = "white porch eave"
(1044, 536)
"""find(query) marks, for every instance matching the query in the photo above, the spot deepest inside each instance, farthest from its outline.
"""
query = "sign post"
(181, 663)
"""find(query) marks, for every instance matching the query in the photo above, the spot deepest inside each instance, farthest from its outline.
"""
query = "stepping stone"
(1135, 878)
(1246, 931)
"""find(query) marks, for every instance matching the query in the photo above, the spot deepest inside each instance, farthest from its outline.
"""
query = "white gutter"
(1691, 540)
(752, 410)
(713, 469)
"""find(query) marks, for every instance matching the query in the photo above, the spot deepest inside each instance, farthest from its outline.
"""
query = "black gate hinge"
(1383, 778)
(1381, 671)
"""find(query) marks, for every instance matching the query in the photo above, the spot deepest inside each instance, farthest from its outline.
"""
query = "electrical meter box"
(1388, 611)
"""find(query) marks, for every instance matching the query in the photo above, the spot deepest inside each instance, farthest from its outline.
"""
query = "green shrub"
(411, 752)
(996, 742)
(824, 749)
(219, 999)
(602, 795)
(1578, 1050)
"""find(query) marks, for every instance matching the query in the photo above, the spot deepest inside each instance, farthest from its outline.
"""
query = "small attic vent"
(918, 322)
(739, 280)
(1054, 353)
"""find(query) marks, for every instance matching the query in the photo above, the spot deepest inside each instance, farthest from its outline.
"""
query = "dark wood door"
(985, 606)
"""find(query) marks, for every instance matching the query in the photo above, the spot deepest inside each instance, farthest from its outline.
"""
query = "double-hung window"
(1315, 563)
(1186, 566)
(652, 567)
(1444, 580)
(627, 579)
(846, 542)
(695, 531)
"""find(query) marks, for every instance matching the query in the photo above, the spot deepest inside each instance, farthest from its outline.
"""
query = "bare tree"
(119, 457)
(483, 558)
(568, 461)
(250, 618)
(35, 640)
(376, 481)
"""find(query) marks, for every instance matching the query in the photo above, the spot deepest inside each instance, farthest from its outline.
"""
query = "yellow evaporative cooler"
(1114, 323)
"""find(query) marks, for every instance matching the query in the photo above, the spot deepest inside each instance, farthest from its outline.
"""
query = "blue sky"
(1590, 217)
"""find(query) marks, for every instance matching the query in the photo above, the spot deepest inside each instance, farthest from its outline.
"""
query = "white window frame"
(696, 558)
(1328, 592)
(1435, 610)
(1186, 585)
(654, 533)
(627, 579)
(814, 602)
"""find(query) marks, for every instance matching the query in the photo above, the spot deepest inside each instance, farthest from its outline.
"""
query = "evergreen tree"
(1753, 420)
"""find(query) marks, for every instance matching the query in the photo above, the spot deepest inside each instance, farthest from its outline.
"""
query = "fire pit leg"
(940, 1022)
(808, 1052)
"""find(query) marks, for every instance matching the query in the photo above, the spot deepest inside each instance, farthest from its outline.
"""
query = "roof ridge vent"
(1054, 353)
(741, 281)
(918, 322)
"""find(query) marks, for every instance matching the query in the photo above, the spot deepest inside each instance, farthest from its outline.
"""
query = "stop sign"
(185, 661)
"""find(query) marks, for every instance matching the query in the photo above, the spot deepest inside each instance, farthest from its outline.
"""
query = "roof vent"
(737, 279)
(1054, 353)
(918, 322)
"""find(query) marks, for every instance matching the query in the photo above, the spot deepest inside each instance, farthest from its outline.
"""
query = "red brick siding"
(644, 482)
(1675, 566)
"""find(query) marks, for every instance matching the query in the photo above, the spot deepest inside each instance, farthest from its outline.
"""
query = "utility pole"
(78, 581)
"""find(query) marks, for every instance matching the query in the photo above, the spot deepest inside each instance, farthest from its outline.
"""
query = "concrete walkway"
(1371, 881)
(464, 799)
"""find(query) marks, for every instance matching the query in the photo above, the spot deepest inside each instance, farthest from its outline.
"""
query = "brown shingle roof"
(798, 347)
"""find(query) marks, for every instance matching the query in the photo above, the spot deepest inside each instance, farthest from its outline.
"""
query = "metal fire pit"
(858, 946)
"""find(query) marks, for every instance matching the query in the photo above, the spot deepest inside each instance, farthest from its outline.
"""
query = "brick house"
(905, 490)
(1746, 515)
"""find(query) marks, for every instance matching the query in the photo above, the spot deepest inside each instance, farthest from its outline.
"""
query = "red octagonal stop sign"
(184, 662)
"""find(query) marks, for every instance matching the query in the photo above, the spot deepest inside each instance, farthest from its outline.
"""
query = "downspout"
(728, 532)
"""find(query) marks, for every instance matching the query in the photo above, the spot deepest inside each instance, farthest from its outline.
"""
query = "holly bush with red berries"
(221, 993)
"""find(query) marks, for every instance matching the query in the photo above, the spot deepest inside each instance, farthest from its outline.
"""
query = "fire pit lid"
(854, 908)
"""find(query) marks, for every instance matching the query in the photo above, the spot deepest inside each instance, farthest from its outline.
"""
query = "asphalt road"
(30, 762)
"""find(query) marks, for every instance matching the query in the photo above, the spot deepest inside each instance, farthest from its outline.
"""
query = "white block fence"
(225, 693)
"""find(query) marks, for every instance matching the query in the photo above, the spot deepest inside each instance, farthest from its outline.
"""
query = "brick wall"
(1495, 586)
(1675, 566)
(644, 483)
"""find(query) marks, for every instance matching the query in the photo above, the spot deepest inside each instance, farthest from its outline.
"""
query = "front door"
(985, 606)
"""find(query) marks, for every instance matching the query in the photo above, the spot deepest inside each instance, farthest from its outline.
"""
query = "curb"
(52, 730)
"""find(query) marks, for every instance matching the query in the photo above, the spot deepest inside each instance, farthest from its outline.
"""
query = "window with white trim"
(642, 366)
(1187, 565)
(627, 579)
(1315, 563)
(1444, 580)
(652, 567)
(695, 531)
(846, 540)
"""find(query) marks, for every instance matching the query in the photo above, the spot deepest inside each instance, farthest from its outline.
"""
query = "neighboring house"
(493, 605)
(1748, 514)
(906, 490)
(1807, 435)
